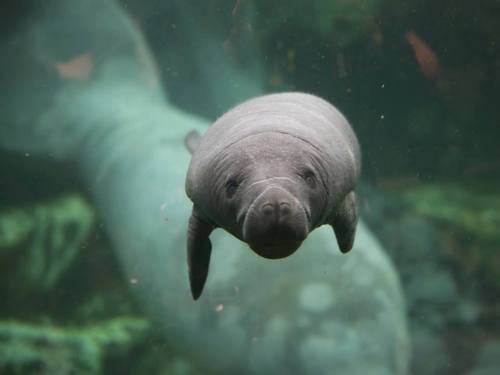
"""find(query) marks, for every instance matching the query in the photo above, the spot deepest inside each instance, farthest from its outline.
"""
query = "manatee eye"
(310, 178)
(231, 187)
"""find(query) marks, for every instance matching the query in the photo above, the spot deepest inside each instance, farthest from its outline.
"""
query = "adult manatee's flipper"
(344, 222)
(199, 249)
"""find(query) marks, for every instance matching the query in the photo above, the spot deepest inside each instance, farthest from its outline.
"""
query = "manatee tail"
(192, 140)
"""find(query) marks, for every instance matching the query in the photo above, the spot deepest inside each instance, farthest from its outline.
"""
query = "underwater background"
(96, 98)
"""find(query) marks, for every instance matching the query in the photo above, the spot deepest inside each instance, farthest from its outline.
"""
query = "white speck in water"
(382, 117)
(219, 307)
(27, 154)
(134, 280)
(382, 85)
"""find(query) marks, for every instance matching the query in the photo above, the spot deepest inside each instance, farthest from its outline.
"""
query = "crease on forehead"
(316, 158)
(246, 137)
(270, 179)
(220, 160)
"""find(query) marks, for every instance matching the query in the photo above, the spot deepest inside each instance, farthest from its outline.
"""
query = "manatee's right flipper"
(199, 249)
(192, 140)
(344, 222)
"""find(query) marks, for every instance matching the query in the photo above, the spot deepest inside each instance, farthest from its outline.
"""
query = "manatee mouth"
(279, 250)
(275, 223)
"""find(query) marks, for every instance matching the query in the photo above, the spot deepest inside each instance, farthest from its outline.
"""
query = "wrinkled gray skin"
(270, 171)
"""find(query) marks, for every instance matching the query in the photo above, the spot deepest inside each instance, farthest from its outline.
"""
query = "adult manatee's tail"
(96, 103)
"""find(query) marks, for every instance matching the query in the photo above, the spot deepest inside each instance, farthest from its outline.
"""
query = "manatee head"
(270, 192)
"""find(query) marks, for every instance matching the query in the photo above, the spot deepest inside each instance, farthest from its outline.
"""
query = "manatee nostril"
(268, 209)
(285, 208)
(279, 209)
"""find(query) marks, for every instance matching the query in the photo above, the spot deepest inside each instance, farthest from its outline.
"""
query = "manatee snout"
(275, 224)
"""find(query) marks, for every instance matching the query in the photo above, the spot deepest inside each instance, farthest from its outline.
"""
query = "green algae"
(47, 236)
(475, 212)
(469, 218)
(49, 349)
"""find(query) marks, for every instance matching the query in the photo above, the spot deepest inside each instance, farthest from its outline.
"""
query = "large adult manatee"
(314, 312)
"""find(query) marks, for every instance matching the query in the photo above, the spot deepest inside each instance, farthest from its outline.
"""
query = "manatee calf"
(269, 171)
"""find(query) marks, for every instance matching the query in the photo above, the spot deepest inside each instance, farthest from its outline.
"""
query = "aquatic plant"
(47, 237)
(477, 214)
(469, 220)
(49, 349)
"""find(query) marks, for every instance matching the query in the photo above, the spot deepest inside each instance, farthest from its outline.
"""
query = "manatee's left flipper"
(344, 222)
(192, 140)
(199, 249)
